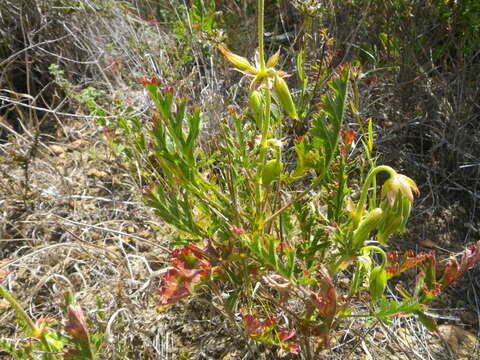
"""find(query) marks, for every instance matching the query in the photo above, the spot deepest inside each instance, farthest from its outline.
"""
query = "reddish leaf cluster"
(451, 272)
(267, 331)
(148, 81)
(433, 279)
(189, 267)
(397, 264)
(326, 301)
(108, 132)
(454, 270)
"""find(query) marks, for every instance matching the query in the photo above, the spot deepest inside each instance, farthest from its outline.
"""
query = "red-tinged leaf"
(319, 332)
(434, 291)
(326, 300)
(286, 335)
(397, 264)
(470, 257)
(187, 270)
(270, 322)
(3, 275)
(71, 354)
(76, 325)
(195, 248)
(293, 349)
(238, 231)
(175, 287)
(348, 136)
(148, 81)
(427, 321)
(451, 273)
(252, 325)
(392, 256)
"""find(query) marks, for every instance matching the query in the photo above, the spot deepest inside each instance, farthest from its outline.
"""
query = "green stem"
(366, 186)
(36, 332)
(260, 33)
(293, 201)
(263, 155)
(379, 250)
(265, 127)
(18, 309)
(266, 120)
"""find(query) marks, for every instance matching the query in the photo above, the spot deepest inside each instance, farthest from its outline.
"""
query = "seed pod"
(271, 171)
(283, 96)
(378, 282)
(390, 224)
(256, 104)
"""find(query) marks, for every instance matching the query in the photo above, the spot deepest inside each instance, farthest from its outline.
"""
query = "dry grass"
(71, 217)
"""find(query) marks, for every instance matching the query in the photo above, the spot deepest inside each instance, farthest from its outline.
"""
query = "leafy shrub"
(268, 223)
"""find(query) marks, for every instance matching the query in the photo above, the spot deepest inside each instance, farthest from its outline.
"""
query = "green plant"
(47, 343)
(86, 96)
(272, 225)
(196, 24)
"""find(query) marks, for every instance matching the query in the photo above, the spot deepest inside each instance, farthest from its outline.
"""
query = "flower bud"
(366, 226)
(76, 326)
(239, 62)
(378, 282)
(271, 171)
(273, 60)
(40, 327)
(283, 96)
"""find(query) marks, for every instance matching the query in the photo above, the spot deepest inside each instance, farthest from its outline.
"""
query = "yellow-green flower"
(399, 185)
(268, 78)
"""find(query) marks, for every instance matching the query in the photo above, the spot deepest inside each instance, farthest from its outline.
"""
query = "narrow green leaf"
(427, 321)
(370, 136)
(272, 254)
(291, 255)
(300, 65)
(232, 300)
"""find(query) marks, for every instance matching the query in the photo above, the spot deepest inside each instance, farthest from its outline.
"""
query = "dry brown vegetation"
(71, 216)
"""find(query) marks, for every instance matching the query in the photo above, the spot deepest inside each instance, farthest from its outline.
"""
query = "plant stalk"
(28, 320)
(261, 12)
(366, 186)
(266, 119)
